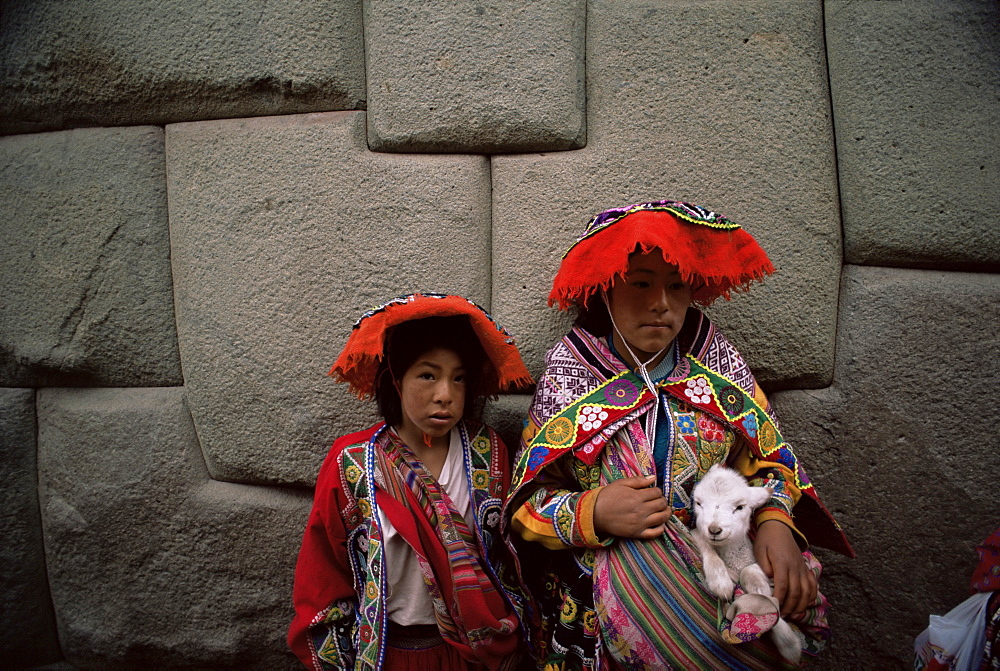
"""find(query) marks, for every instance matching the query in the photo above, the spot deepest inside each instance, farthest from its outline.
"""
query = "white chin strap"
(642, 368)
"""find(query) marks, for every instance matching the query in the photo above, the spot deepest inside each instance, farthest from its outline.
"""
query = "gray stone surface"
(506, 415)
(152, 564)
(734, 118)
(71, 64)
(85, 294)
(490, 77)
(915, 88)
(905, 451)
(285, 229)
(272, 273)
(28, 635)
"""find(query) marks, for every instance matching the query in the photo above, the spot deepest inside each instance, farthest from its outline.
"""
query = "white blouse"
(407, 601)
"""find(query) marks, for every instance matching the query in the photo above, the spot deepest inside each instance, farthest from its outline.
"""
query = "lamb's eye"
(739, 508)
(697, 503)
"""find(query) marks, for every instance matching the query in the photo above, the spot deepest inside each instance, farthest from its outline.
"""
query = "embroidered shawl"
(340, 619)
(562, 443)
(471, 612)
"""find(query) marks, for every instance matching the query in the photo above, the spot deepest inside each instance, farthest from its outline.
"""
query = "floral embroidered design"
(710, 430)
(538, 455)
(681, 371)
(481, 444)
(750, 424)
(591, 417)
(621, 393)
(590, 622)
(559, 431)
(686, 424)
(352, 473)
(698, 390)
(767, 438)
(732, 400)
(569, 610)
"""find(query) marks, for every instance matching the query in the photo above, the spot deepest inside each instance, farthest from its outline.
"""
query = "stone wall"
(199, 199)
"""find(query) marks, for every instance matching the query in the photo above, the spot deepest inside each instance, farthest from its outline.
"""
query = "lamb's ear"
(759, 496)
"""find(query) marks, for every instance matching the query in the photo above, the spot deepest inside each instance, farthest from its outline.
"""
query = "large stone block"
(507, 415)
(469, 77)
(284, 231)
(915, 87)
(27, 623)
(904, 449)
(151, 563)
(733, 117)
(107, 63)
(86, 287)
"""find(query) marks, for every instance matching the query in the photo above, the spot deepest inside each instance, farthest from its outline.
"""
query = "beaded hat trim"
(365, 348)
(713, 254)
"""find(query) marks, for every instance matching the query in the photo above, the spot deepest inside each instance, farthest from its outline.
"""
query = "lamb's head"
(723, 503)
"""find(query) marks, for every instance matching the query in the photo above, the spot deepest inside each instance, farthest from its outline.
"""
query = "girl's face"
(648, 305)
(432, 394)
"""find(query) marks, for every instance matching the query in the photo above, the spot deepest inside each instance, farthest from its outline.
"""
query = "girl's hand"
(778, 554)
(630, 508)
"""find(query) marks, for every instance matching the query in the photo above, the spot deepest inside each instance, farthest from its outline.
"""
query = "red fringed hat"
(713, 254)
(358, 362)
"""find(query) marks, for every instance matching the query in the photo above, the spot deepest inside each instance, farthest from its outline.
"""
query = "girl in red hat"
(399, 566)
(637, 402)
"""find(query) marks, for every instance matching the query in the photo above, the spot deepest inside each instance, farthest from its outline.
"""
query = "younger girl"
(398, 567)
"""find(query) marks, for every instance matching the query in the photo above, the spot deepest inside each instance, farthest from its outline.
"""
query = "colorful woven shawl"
(472, 615)
(706, 379)
(582, 385)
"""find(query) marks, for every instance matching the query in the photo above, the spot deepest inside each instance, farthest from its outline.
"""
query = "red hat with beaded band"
(713, 254)
(358, 362)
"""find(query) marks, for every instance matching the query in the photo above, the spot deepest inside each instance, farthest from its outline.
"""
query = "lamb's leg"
(754, 581)
(716, 574)
(787, 642)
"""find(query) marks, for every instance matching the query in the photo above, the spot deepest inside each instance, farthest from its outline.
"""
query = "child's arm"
(777, 553)
(555, 515)
(558, 517)
(779, 544)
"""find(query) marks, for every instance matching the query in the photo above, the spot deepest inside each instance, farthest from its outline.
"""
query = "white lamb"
(723, 504)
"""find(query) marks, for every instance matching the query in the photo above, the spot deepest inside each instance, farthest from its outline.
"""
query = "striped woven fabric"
(472, 615)
(655, 613)
(655, 610)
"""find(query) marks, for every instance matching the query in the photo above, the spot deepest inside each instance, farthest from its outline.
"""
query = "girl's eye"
(639, 284)
(459, 378)
(678, 286)
(426, 376)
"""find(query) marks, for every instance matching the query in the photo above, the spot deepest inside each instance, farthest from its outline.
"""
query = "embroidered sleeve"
(322, 632)
(760, 473)
(556, 516)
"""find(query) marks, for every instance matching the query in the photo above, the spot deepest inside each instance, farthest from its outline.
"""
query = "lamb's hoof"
(753, 580)
(723, 589)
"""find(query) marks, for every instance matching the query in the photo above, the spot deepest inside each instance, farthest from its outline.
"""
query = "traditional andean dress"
(605, 602)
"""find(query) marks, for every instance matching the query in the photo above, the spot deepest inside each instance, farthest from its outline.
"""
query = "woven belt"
(413, 636)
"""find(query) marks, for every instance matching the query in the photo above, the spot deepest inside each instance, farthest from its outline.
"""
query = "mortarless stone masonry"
(184, 255)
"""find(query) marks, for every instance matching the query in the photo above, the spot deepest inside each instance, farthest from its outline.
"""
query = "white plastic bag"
(954, 641)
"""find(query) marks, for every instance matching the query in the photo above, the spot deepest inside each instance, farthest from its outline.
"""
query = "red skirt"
(421, 648)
